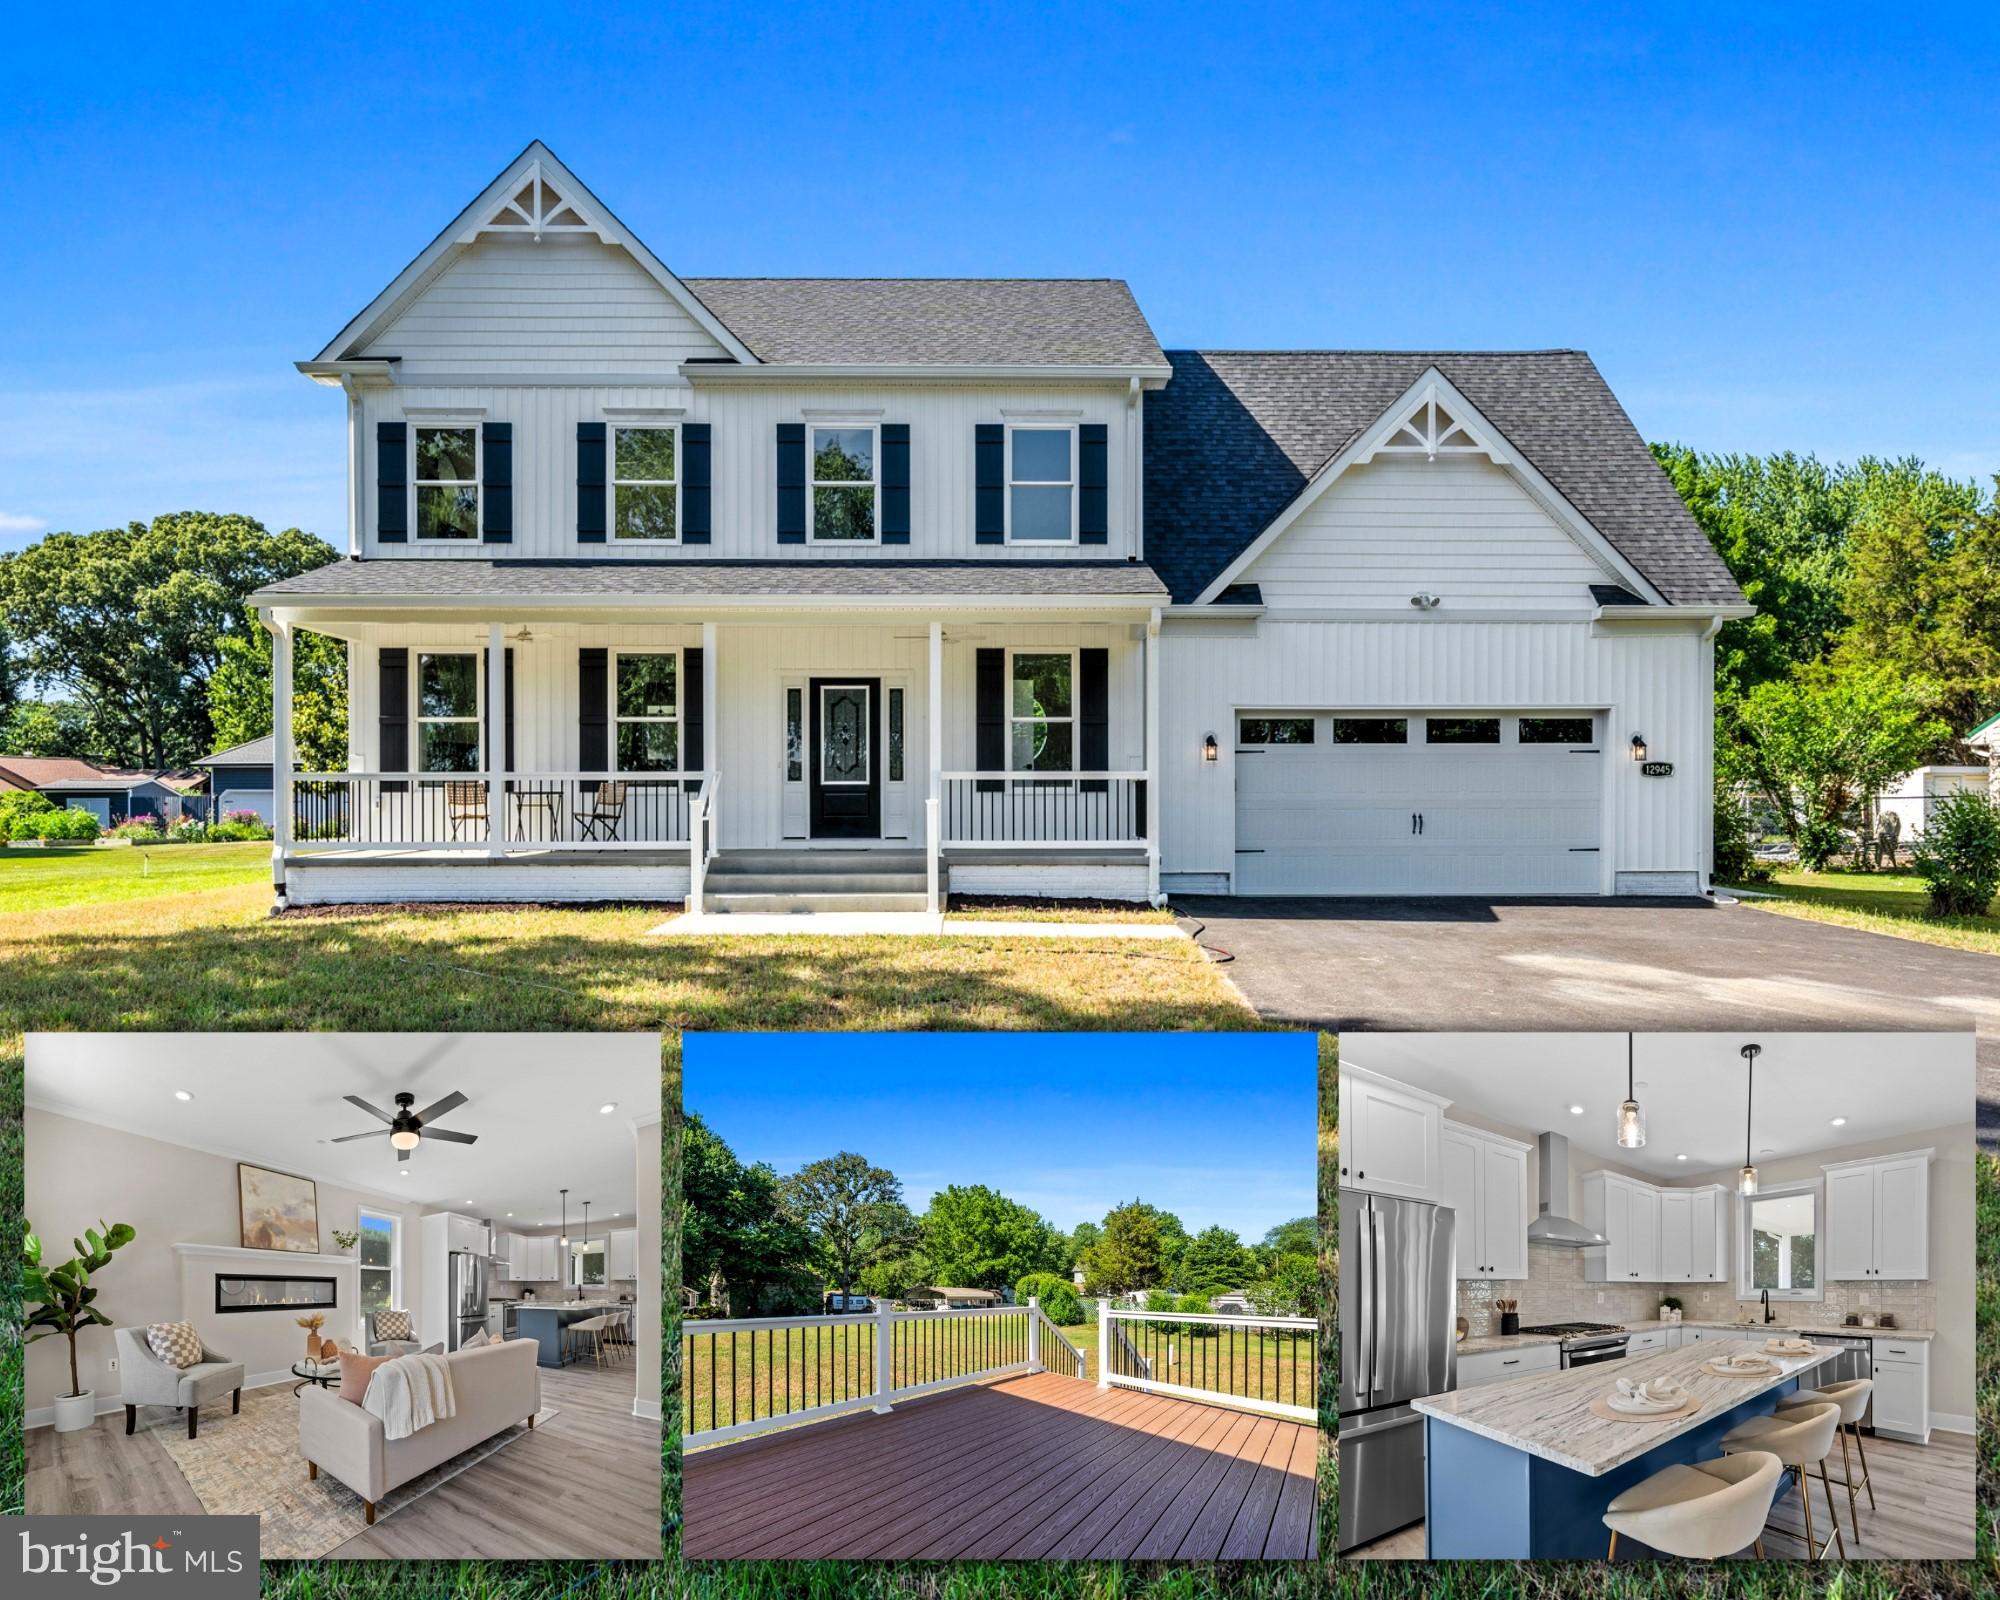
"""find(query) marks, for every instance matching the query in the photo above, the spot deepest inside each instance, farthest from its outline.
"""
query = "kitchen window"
(1041, 485)
(446, 483)
(381, 1261)
(1778, 1243)
(645, 488)
(448, 711)
(646, 710)
(1041, 711)
(843, 485)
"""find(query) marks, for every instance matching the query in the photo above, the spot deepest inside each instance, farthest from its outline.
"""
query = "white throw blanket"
(409, 1393)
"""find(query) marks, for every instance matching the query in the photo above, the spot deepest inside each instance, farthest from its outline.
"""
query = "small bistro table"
(319, 1372)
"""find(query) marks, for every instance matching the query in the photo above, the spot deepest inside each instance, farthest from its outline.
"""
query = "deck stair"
(768, 881)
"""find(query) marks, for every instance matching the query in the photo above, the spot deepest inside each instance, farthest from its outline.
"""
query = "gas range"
(1585, 1343)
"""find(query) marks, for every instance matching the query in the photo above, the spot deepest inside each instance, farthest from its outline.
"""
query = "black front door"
(846, 758)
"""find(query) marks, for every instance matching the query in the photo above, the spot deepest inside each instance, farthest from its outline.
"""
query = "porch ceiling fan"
(406, 1127)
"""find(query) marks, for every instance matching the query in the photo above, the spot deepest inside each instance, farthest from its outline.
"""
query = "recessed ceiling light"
(607, 1108)
(1680, 1158)
(510, 1213)
(1840, 1122)
(182, 1094)
(402, 1174)
(1576, 1111)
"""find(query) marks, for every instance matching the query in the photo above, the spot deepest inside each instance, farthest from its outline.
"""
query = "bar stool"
(595, 1326)
(1704, 1511)
(1799, 1438)
(1852, 1398)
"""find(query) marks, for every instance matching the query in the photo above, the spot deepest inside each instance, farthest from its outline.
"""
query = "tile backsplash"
(1555, 1291)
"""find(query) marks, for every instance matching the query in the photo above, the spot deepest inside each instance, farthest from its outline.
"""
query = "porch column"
(711, 734)
(1153, 757)
(281, 749)
(933, 804)
(495, 733)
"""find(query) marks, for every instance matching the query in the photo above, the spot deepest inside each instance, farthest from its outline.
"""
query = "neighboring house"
(110, 793)
(1231, 1305)
(1985, 739)
(239, 779)
(953, 1299)
(655, 586)
(1913, 799)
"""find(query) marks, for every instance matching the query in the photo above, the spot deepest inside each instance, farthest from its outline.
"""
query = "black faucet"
(1767, 1307)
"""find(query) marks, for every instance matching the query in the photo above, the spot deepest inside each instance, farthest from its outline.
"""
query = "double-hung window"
(448, 711)
(1041, 711)
(843, 482)
(645, 485)
(446, 483)
(1777, 1246)
(1041, 485)
(646, 710)
(381, 1261)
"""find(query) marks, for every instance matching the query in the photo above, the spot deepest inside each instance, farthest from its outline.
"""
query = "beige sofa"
(495, 1386)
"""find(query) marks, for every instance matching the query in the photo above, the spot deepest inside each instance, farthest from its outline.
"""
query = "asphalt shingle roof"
(1236, 434)
(251, 753)
(944, 322)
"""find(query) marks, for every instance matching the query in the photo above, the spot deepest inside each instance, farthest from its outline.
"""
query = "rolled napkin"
(1661, 1392)
(1789, 1347)
(1751, 1361)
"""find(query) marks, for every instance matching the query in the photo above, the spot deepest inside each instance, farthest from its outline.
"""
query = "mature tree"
(46, 728)
(1127, 1254)
(130, 621)
(1081, 1238)
(1299, 1237)
(736, 1238)
(239, 695)
(893, 1277)
(1292, 1289)
(1214, 1260)
(840, 1201)
(975, 1237)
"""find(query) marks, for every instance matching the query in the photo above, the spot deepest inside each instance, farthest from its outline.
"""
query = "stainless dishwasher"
(1856, 1360)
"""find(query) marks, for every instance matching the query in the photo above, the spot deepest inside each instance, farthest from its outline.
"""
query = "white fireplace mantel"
(240, 1256)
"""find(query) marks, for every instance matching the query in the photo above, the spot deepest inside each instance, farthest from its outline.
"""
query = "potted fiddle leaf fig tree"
(58, 1300)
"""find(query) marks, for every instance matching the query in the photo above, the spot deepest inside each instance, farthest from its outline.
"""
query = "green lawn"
(1880, 902)
(42, 877)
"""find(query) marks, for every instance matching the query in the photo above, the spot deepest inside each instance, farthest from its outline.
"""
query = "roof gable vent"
(537, 207)
(1429, 429)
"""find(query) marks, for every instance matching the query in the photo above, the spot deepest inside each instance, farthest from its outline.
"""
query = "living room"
(397, 1295)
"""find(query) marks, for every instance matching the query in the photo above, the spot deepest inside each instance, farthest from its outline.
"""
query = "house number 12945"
(1656, 769)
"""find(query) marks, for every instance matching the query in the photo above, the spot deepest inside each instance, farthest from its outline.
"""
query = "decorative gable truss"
(539, 207)
(1431, 426)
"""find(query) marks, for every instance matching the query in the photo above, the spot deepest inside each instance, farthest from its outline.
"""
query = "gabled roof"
(1237, 436)
(60, 774)
(251, 753)
(1024, 322)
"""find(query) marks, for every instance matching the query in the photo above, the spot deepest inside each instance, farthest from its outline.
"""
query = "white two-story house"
(774, 591)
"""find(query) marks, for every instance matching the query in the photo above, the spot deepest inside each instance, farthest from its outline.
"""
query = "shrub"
(1059, 1300)
(243, 818)
(18, 809)
(186, 829)
(1733, 861)
(140, 829)
(67, 823)
(1196, 1304)
(1958, 855)
(238, 832)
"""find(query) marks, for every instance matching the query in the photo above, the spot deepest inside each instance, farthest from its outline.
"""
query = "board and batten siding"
(743, 465)
(1657, 684)
(1463, 529)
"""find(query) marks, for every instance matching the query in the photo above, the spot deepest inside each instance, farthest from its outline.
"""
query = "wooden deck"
(1041, 1467)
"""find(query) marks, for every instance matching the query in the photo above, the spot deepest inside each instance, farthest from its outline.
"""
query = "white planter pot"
(74, 1411)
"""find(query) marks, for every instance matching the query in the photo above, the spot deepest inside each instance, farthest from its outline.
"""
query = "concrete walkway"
(875, 924)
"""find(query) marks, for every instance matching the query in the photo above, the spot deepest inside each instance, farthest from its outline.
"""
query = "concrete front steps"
(776, 882)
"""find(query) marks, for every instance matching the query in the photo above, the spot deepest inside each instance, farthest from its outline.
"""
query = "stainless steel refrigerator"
(1397, 1311)
(468, 1296)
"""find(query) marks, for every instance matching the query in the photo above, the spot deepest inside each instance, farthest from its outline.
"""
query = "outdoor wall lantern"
(1638, 747)
(1208, 748)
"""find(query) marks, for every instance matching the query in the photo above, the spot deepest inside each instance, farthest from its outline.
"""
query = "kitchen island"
(1521, 1469)
(545, 1324)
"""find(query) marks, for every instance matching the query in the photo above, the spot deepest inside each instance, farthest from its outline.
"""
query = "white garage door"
(1372, 803)
(257, 800)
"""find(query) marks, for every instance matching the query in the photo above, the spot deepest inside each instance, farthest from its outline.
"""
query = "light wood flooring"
(584, 1484)
(1924, 1509)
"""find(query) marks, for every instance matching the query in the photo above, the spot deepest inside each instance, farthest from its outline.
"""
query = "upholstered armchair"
(149, 1381)
(389, 1347)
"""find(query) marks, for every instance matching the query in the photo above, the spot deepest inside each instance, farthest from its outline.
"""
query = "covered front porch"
(726, 755)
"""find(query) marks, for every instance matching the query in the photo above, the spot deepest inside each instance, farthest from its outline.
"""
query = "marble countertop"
(1548, 1414)
(1480, 1343)
(1815, 1328)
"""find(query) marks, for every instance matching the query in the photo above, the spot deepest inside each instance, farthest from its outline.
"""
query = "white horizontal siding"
(1460, 528)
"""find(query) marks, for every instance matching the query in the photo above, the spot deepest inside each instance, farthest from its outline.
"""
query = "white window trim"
(436, 425)
(678, 719)
(1075, 479)
(615, 425)
(1816, 1187)
(873, 483)
(395, 1256)
(1074, 719)
(417, 720)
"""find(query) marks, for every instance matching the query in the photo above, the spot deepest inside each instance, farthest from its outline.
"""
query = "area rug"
(249, 1465)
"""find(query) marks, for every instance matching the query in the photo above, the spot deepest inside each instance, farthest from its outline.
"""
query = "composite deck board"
(1043, 1465)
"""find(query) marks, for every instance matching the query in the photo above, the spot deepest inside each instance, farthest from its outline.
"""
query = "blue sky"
(1216, 1128)
(1771, 232)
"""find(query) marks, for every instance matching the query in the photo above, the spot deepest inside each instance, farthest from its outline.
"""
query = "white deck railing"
(1268, 1364)
(701, 844)
(479, 811)
(1060, 811)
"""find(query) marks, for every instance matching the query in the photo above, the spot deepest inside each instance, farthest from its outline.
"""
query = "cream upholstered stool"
(1852, 1398)
(1800, 1438)
(1704, 1511)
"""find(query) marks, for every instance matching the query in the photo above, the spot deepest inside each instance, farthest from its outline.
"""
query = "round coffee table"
(315, 1372)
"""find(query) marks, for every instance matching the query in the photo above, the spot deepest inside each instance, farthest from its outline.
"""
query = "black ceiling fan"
(406, 1127)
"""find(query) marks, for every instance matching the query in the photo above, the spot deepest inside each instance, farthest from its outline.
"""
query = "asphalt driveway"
(1527, 965)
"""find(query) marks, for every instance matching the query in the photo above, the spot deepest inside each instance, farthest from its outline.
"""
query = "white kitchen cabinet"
(1902, 1397)
(621, 1255)
(1676, 1235)
(464, 1233)
(548, 1258)
(1878, 1217)
(1709, 1236)
(1495, 1366)
(1647, 1341)
(1483, 1178)
(1627, 1213)
(533, 1258)
(1645, 1233)
(1389, 1137)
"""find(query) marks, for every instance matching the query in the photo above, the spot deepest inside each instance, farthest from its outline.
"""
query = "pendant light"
(1631, 1120)
(586, 1224)
(565, 1219)
(1746, 1183)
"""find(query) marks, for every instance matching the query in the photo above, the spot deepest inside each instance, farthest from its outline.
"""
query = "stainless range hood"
(1552, 1191)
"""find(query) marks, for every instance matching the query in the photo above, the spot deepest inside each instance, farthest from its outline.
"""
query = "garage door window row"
(1262, 731)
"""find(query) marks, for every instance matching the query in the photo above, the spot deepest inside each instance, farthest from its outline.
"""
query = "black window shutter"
(692, 737)
(593, 745)
(496, 523)
(695, 481)
(989, 474)
(392, 712)
(392, 483)
(507, 727)
(791, 483)
(1093, 703)
(895, 483)
(1093, 512)
(989, 679)
(590, 483)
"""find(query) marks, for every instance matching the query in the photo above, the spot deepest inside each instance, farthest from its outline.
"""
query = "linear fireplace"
(271, 1293)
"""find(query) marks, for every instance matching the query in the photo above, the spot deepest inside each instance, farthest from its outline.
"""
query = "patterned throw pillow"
(392, 1325)
(476, 1341)
(175, 1343)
